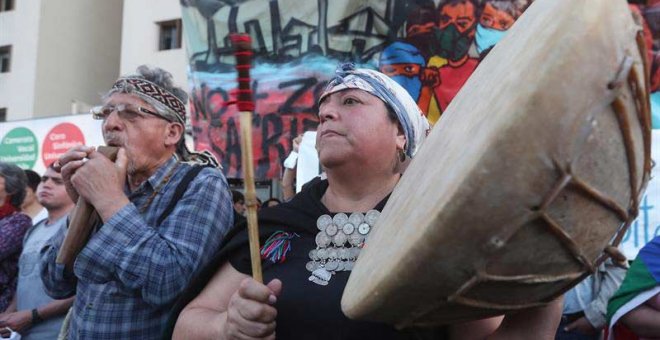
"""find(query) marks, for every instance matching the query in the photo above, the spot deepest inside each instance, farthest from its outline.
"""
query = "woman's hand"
(251, 313)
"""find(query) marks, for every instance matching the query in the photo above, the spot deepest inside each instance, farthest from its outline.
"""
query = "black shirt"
(307, 310)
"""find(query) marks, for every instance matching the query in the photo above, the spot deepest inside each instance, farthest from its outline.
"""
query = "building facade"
(56, 56)
(153, 36)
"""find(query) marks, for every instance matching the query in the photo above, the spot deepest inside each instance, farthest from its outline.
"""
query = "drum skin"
(536, 167)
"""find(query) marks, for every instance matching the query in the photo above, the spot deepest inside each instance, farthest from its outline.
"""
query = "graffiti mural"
(430, 47)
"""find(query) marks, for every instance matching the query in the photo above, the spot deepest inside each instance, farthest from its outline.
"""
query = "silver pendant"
(356, 218)
(331, 229)
(348, 228)
(342, 253)
(322, 240)
(355, 239)
(332, 265)
(312, 266)
(340, 219)
(339, 239)
(320, 276)
(322, 254)
(332, 253)
(371, 217)
(364, 229)
(323, 222)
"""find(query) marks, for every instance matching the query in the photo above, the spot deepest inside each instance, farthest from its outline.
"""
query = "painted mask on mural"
(487, 37)
(420, 24)
(423, 39)
(456, 29)
(493, 24)
(403, 74)
(403, 62)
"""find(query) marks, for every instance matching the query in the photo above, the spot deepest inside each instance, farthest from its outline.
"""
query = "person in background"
(238, 201)
(13, 225)
(585, 305)
(33, 313)
(271, 202)
(31, 204)
(635, 307)
(289, 175)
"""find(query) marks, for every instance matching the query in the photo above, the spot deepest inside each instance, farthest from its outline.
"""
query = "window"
(170, 35)
(6, 5)
(5, 58)
(3, 114)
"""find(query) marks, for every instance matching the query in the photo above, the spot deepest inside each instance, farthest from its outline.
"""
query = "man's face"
(496, 19)
(51, 192)
(461, 15)
(141, 135)
(406, 70)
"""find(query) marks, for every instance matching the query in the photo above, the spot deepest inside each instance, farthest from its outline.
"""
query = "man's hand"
(430, 77)
(67, 165)
(101, 182)
(251, 313)
(581, 326)
(18, 321)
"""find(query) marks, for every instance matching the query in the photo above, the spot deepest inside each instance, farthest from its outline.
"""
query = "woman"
(13, 225)
(369, 128)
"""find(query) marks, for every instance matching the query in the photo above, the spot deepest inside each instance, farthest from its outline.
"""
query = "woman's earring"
(402, 156)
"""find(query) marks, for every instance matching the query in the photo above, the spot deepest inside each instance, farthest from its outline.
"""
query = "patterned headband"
(155, 92)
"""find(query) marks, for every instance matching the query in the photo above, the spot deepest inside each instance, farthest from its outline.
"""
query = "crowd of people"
(169, 255)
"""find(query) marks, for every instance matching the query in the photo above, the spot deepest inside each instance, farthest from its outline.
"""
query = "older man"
(164, 212)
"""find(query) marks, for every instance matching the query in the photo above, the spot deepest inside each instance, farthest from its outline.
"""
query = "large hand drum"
(536, 167)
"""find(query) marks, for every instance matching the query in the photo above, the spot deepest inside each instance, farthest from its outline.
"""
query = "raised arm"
(59, 282)
(536, 323)
(231, 306)
(643, 320)
(160, 260)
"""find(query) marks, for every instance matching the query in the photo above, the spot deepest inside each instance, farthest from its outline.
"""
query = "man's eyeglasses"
(124, 111)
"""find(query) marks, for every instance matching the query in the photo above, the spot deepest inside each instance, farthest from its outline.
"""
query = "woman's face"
(355, 127)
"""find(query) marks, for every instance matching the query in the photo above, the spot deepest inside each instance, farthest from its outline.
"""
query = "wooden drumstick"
(82, 219)
(243, 52)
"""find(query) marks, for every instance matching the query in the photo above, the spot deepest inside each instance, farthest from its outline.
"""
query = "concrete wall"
(78, 53)
(19, 28)
(140, 38)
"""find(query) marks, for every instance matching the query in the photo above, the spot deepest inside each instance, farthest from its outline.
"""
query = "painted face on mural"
(492, 27)
(491, 17)
(403, 63)
(456, 29)
(420, 24)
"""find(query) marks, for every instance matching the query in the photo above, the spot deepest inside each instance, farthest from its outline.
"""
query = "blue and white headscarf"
(411, 118)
